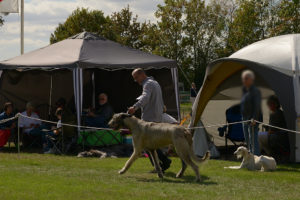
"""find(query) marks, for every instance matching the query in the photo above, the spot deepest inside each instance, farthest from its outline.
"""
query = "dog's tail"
(203, 159)
(189, 138)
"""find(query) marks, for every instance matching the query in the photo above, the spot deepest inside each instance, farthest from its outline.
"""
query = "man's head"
(273, 103)
(29, 107)
(248, 78)
(139, 75)
(8, 108)
(193, 85)
(102, 99)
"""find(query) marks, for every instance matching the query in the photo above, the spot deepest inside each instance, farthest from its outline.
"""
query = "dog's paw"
(198, 180)
(122, 171)
(160, 175)
(179, 175)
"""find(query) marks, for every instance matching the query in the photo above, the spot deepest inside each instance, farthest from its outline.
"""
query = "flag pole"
(22, 27)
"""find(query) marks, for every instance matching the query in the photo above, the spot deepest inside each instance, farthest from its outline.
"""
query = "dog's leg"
(188, 160)
(132, 158)
(155, 160)
(194, 167)
(182, 170)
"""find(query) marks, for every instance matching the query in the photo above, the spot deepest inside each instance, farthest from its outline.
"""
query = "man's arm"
(257, 105)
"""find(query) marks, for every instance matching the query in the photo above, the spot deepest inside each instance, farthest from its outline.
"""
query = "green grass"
(36, 176)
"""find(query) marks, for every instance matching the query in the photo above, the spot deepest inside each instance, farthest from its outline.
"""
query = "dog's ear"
(125, 115)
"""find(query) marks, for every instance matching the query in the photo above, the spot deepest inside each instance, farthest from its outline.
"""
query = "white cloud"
(42, 16)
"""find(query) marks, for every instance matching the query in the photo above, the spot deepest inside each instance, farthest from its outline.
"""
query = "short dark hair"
(274, 99)
(7, 105)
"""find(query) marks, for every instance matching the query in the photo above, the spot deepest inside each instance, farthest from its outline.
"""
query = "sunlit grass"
(36, 176)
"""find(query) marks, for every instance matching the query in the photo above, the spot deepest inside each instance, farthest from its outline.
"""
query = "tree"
(202, 29)
(288, 18)
(82, 20)
(170, 26)
(126, 28)
(250, 23)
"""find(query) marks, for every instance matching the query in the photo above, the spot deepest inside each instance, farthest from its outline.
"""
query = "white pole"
(22, 27)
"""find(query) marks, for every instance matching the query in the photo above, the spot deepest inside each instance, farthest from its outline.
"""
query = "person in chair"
(100, 116)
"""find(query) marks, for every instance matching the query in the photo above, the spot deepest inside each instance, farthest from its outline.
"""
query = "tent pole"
(22, 27)
(94, 88)
(50, 95)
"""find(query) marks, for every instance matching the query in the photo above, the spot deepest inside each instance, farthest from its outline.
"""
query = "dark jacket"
(193, 92)
(251, 104)
(104, 113)
(6, 124)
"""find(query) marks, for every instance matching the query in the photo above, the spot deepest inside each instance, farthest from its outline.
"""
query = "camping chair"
(57, 142)
(233, 132)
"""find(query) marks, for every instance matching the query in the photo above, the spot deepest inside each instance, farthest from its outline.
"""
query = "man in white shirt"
(28, 124)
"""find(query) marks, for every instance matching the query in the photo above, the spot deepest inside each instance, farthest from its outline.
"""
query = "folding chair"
(56, 142)
(233, 132)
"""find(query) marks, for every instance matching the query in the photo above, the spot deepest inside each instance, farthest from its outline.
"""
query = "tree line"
(192, 32)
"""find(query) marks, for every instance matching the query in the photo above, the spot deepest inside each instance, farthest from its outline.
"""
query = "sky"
(43, 16)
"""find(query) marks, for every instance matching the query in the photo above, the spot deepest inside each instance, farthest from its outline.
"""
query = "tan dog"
(253, 162)
(151, 136)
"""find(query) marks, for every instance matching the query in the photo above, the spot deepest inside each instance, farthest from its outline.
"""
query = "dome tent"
(80, 67)
(275, 62)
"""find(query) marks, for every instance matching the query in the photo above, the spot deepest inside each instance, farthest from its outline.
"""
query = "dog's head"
(117, 120)
(241, 152)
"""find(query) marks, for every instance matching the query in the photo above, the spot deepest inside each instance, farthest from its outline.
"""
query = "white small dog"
(253, 162)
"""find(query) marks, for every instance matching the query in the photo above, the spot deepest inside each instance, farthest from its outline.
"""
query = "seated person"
(100, 116)
(6, 128)
(30, 126)
(8, 113)
(54, 133)
(274, 140)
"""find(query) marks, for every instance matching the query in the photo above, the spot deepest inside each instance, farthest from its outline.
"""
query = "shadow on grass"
(169, 177)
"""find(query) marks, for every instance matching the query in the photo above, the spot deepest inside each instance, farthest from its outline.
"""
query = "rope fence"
(109, 129)
(19, 115)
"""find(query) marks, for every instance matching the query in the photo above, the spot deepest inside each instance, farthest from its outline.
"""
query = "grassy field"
(36, 176)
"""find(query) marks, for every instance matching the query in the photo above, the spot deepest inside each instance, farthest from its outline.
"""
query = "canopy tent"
(80, 67)
(275, 62)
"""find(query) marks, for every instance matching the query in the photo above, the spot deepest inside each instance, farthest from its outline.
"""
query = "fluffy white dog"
(253, 162)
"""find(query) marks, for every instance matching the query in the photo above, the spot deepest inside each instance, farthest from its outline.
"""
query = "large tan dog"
(151, 136)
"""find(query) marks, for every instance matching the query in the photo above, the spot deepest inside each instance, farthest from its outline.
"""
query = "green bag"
(99, 138)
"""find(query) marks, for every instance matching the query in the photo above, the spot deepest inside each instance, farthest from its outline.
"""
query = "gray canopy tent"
(80, 67)
(275, 62)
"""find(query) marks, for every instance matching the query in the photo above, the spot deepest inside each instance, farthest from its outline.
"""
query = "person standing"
(193, 94)
(151, 104)
(251, 110)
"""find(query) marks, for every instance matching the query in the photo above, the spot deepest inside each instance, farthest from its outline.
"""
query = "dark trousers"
(164, 161)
